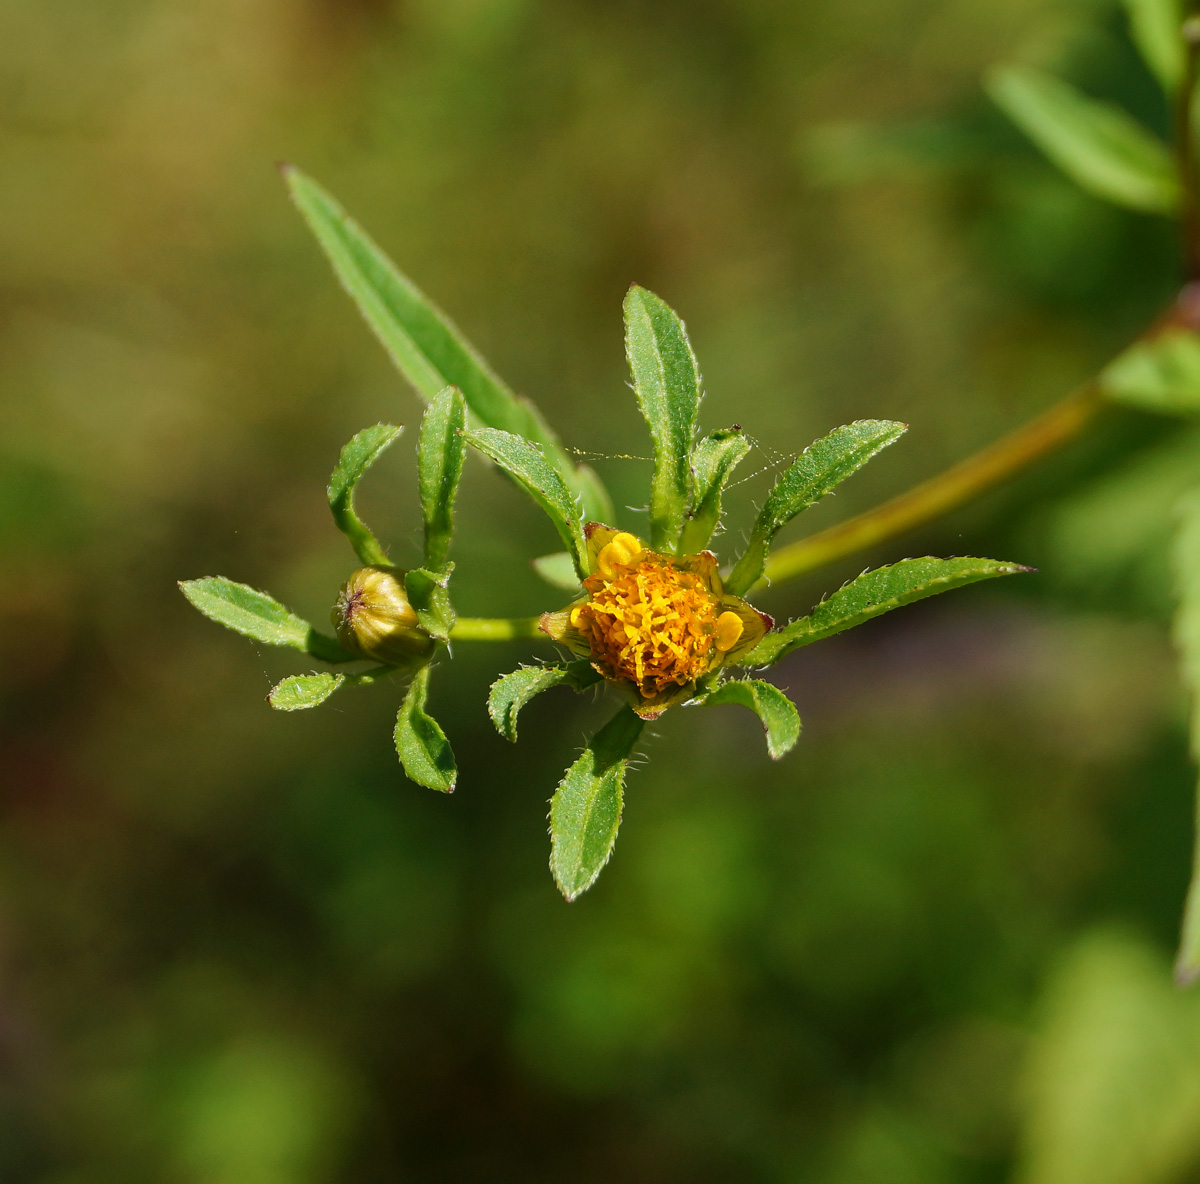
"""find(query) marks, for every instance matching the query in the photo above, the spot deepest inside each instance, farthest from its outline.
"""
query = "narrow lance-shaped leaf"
(780, 719)
(1161, 374)
(426, 346)
(439, 467)
(817, 471)
(1097, 144)
(713, 460)
(667, 381)
(356, 458)
(512, 691)
(421, 744)
(586, 809)
(427, 593)
(525, 464)
(258, 616)
(871, 595)
(1156, 25)
(1187, 640)
(299, 692)
(558, 570)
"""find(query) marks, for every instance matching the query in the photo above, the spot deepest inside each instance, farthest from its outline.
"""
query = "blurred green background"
(931, 946)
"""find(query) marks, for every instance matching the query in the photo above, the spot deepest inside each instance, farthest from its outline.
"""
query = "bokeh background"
(930, 946)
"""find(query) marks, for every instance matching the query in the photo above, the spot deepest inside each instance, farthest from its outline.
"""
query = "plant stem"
(496, 629)
(1185, 151)
(957, 485)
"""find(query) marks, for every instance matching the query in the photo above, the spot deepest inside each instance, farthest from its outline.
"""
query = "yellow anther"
(621, 550)
(577, 615)
(729, 629)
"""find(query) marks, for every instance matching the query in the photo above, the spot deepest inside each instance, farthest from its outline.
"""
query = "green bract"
(658, 619)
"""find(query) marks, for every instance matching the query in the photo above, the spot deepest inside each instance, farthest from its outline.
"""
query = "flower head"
(374, 619)
(654, 624)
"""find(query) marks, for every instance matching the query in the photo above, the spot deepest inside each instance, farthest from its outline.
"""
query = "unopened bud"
(374, 619)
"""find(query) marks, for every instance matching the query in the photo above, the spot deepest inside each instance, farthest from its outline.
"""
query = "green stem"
(1185, 151)
(496, 629)
(957, 485)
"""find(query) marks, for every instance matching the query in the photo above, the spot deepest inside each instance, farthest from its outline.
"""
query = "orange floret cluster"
(651, 623)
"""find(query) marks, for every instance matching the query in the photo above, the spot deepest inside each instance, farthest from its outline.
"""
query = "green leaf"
(817, 471)
(426, 591)
(713, 460)
(259, 616)
(586, 809)
(511, 692)
(871, 595)
(439, 467)
(356, 458)
(421, 745)
(558, 570)
(301, 691)
(426, 346)
(1155, 26)
(1097, 144)
(1162, 374)
(526, 465)
(780, 719)
(667, 381)
(1187, 640)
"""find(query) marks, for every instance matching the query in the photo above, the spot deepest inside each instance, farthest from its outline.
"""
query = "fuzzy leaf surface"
(558, 570)
(713, 460)
(666, 378)
(302, 691)
(356, 458)
(439, 466)
(512, 691)
(871, 595)
(427, 593)
(780, 719)
(1161, 375)
(1155, 26)
(526, 465)
(1097, 144)
(421, 744)
(585, 812)
(1186, 555)
(426, 346)
(817, 471)
(258, 616)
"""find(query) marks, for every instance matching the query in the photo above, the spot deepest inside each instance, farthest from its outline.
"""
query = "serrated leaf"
(1161, 375)
(1186, 556)
(356, 458)
(439, 467)
(817, 471)
(426, 346)
(1155, 26)
(428, 595)
(512, 691)
(526, 465)
(713, 460)
(302, 691)
(667, 381)
(421, 744)
(558, 570)
(258, 616)
(1097, 144)
(780, 719)
(585, 812)
(871, 595)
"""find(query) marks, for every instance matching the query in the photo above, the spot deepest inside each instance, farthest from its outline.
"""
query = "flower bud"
(374, 619)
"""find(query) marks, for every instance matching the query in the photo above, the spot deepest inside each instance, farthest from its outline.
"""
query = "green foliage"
(258, 616)
(1160, 374)
(666, 378)
(439, 467)
(713, 460)
(585, 812)
(356, 458)
(524, 463)
(421, 744)
(1096, 144)
(511, 692)
(428, 594)
(871, 595)
(426, 346)
(299, 692)
(817, 471)
(558, 570)
(1155, 25)
(780, 719)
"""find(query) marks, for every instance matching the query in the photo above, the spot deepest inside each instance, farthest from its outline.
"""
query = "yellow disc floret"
(650, 621)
